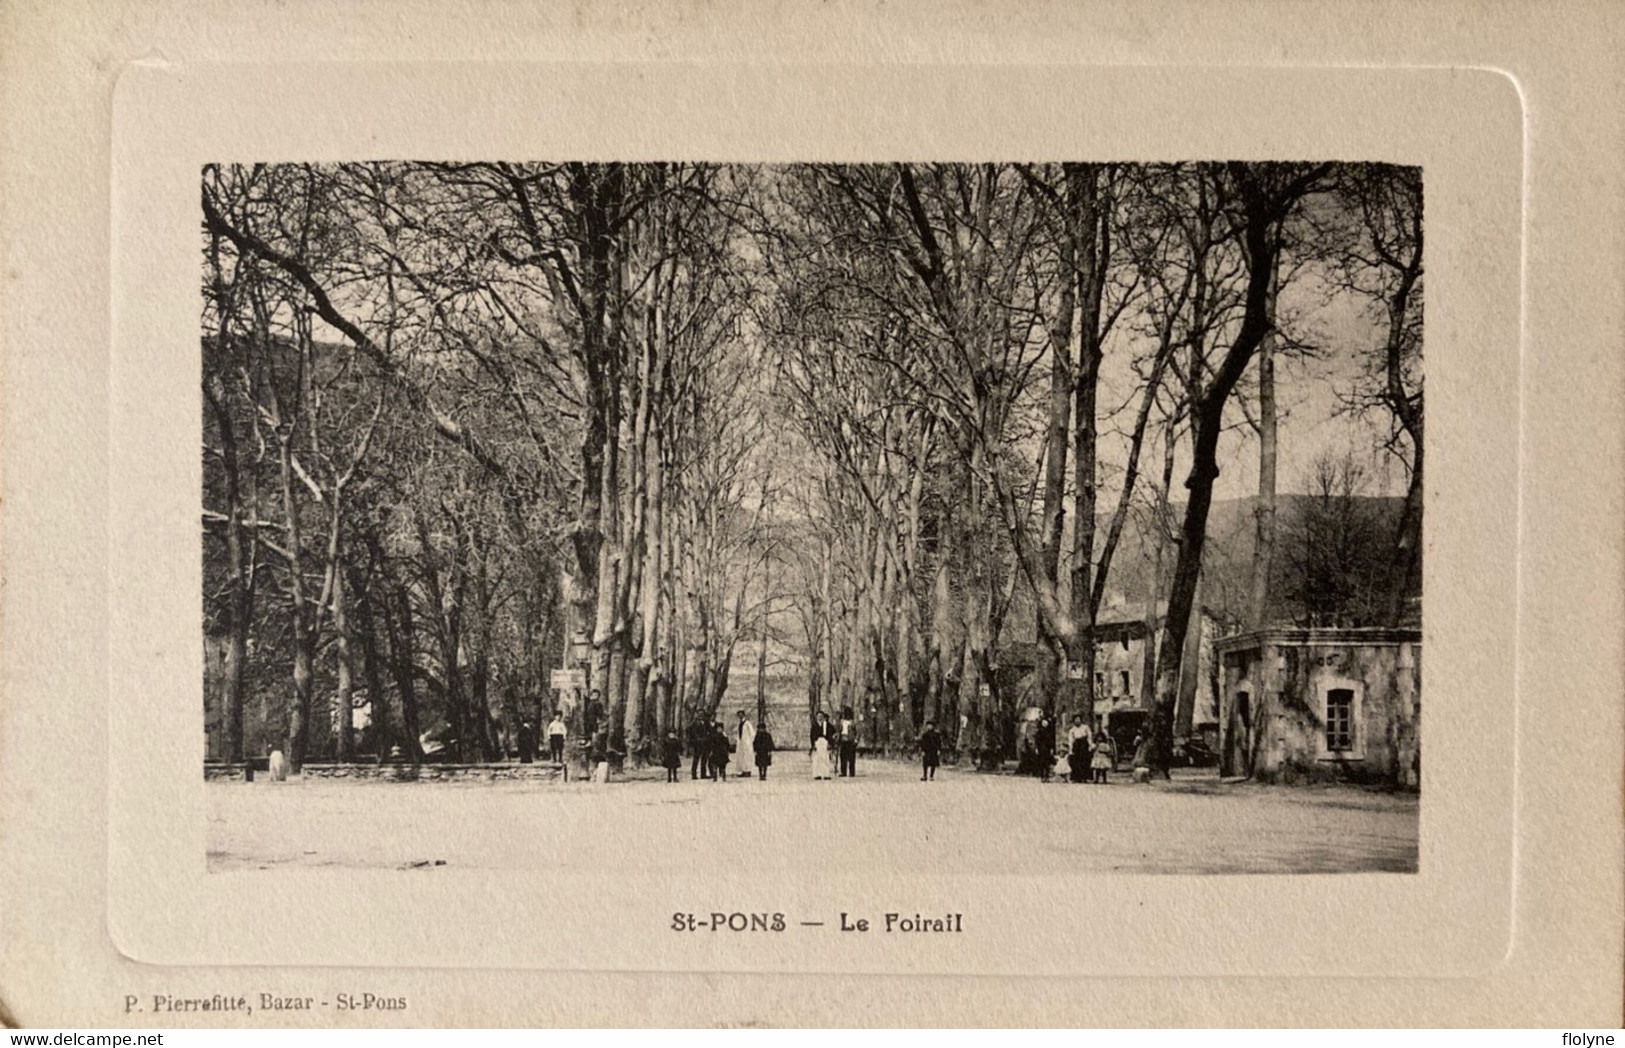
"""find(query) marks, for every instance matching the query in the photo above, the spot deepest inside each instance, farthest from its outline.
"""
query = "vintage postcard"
(727, 524)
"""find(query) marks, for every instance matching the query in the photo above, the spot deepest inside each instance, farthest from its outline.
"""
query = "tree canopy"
(469, 423)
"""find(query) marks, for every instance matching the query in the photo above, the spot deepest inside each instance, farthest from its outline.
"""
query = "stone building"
(1309, 704)
(1125, 663)
(1124, 676)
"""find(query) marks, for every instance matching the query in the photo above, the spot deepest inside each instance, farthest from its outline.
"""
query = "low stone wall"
(404, 772)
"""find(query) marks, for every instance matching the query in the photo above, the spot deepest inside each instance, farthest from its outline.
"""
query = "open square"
(883, 819)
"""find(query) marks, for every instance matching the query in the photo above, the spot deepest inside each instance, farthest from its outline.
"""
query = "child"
(762, 743)
(555, 737)
(720, 751)
(1104, 756)
(930, 751)
(672, 755)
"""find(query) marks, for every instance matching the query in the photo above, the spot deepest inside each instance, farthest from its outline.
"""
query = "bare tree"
(1257, 198)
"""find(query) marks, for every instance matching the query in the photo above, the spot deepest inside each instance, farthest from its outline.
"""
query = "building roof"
(1316, 636)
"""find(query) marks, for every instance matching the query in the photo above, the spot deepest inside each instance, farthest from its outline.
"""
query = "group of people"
(718, 752)
(1088, 755)
(1090, 752)
(842, 737)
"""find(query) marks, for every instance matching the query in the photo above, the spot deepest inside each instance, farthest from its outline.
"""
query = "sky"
(1311, 419)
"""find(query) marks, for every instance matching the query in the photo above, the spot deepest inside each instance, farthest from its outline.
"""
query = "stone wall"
(1280, 732)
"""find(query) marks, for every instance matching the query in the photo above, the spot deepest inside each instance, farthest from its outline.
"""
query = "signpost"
(569, 684)
(565, 680)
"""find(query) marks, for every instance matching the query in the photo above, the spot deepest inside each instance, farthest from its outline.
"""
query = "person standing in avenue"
(720, 744)
(847, 732)
(1142, 754)
(591, 715)
(1079, 749)
(762, 745)
(818, 750)
(556, 732)
(527, 741)
(930, 751)
(1026, 755)
(699, 744)
(1105, 755)
(277, 765)
(671, 755)
(744, 744)
(1044, 743)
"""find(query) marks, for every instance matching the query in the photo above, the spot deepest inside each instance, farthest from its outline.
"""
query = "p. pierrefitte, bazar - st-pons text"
(266, 1002)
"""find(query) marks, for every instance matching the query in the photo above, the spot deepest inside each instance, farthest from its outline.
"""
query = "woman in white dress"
(744, 749)
(821, 732)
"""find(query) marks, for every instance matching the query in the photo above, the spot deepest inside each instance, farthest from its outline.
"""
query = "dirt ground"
(886, 818)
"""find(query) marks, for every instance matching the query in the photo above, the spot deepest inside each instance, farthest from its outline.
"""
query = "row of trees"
(467, 423)
(462, 418)
(945, 332)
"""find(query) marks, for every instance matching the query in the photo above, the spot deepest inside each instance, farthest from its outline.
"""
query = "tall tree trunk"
(299, 715)
(344, 695)
(457, 696)
(595, 193)
(377, 702)
(761, 675)
(682, 701)
(1185, 698)
(1057, 438)
(1406, 568)
(1083, 185)
(240, 601)
(402, 645)
(304, 627)
(1154, 624)
(1131, 470)
(479, 701)
(1406, 565)
(1263, 209)
(1264, 510)
(909, 622)
(645, 625)
(977, 687)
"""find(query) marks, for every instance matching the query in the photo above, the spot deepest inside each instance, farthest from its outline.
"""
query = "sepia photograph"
(919, 517)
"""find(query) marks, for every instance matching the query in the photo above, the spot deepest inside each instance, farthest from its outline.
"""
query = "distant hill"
(1329, 541)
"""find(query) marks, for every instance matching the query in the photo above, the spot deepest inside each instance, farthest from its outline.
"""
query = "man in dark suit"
(699, 744)
(527, 741)
(847, 733)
